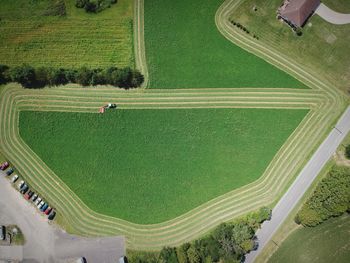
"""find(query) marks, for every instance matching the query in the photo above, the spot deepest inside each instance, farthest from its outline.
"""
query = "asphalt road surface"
(331, 16)
(44, 241)
(302, 183)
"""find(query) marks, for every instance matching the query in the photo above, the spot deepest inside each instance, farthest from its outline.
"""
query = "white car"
(20, 184)
(14, 178)
(41, 204)
(37, 201)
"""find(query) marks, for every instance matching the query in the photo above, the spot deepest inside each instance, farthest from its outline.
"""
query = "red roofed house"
(296, 12)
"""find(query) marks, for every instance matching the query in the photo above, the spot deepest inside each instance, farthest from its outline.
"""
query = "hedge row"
(229, 242)
(94, 6)
(30, 77)
(330, 199)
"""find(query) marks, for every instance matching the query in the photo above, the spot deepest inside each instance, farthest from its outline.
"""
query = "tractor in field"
(108, 106)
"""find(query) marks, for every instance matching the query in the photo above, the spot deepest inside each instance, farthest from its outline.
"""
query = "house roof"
(298, 11)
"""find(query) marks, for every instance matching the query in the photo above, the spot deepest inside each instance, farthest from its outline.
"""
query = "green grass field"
(148, 166)
(184, 49)
(30, 35)
(328, 242)
(322, 47)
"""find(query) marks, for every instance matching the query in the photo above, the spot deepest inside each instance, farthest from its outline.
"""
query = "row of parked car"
(28, 193)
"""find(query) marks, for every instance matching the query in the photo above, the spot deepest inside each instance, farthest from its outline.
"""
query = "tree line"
(94, 6)
(229, 242)
(331, 198)
(30, 77)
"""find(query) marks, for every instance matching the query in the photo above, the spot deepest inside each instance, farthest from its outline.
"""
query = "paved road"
(331, 16)
(46, 242)
(302, 183)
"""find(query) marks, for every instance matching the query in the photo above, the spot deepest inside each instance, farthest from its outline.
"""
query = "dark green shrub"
(347, 151)
(25, 75)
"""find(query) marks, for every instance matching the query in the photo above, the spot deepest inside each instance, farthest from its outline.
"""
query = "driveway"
(45, 241)
(302, 183)
(331, 16)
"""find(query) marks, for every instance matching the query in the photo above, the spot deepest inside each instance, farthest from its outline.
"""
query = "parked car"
(4, 166)
(48, 210)
(20, 184)
(43, 208)
(37, 201)
(10, 171)
(41, 204)
(24, 189)
(14, 178)
(2, 232)
(52, 215)
(34, 197)
(28, 195)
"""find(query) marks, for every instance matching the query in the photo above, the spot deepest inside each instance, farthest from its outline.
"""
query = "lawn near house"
(322, 48)
(148, 166)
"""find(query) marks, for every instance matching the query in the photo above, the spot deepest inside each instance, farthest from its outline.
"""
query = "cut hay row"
(325, 106)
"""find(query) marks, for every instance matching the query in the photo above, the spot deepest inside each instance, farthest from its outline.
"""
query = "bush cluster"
(330, 199)
(229, 242)
(94, 6)
(30, 77)
(347, 151)
(57, 8)
(240, 26)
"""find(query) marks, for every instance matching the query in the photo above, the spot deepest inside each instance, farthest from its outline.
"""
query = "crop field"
(31, 32)
(328, 242)
(322, 47)
(184, 49)
(149, 166)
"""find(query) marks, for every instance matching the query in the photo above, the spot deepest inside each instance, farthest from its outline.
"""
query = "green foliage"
(193, 255)
(347, 151)
(168, 255)
(57, 8)
(184, 49)
(331, 198)
(181, 158)
(181, 253)
(25, 75)
(227, 243)
(4, 78)
(29, 77)
(94, 6)
(135, 256)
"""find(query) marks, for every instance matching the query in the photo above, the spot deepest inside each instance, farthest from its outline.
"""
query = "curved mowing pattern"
(325, 105)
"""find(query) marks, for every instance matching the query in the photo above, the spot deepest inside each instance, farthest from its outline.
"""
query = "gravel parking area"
(44, 241)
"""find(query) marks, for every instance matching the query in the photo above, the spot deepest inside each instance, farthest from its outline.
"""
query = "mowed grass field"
(324, 48)
(148, 166)
(31, 33)
(328, 242)
(184, 49)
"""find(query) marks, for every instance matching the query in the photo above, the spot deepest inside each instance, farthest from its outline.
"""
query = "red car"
(48, 210)
(28, 195)
(4, 165)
